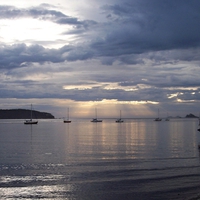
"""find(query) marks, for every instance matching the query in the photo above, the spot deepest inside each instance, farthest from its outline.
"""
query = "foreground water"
(137, 159)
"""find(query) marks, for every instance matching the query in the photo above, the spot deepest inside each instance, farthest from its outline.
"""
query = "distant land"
(191, 116)
(24, 114)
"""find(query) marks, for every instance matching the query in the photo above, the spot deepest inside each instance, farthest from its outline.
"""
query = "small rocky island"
(24, 114)
(191, 116)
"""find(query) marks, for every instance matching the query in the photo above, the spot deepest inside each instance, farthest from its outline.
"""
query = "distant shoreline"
(24, 114)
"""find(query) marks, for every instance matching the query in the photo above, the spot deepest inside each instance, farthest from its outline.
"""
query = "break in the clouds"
(129, 51)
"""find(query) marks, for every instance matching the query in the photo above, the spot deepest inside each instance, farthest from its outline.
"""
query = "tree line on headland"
(24, 114)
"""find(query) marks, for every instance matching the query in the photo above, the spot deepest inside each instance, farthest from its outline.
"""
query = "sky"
(136, 56)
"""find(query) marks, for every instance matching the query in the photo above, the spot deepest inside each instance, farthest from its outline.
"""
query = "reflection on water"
(47, 192)
(107, 160)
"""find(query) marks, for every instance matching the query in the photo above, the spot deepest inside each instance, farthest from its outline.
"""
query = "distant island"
(191, 116)
(24, 114)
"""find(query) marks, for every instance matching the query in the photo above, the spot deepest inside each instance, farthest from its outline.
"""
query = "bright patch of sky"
(32, 31)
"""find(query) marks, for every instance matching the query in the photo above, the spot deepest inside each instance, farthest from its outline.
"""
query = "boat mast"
(120, 114)
(31, 112)
(199, 119)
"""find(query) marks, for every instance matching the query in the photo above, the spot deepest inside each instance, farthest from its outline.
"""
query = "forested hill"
(24, 114)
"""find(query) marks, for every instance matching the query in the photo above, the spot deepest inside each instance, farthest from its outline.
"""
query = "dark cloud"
(144, 26)
(11, 12)
(165, 81)
(134, 28)
(94, 94)
(151, 47)
(18, 55)
(79, 53)
(43, 12)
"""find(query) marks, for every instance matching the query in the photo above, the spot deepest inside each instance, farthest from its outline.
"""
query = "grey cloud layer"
(41, 13)
(20, 55)
(135, 27)
(155, 25)
(148, 39)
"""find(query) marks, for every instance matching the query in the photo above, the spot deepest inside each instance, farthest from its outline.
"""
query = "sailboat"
(67, 120)
(158, 118)
(120, 119)
(199, 125)
(95, 119)
(167, 118)
(31, 121)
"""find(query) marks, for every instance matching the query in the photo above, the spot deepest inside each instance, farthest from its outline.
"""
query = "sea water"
(138, 159)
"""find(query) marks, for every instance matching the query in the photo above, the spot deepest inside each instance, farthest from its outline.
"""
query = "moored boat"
(67, 120)
(30, 121)
(158, 118)
(96, 119)
(167, 118)
(120, 119)
(199, 125)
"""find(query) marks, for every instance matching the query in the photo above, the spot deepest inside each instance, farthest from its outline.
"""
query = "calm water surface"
(138, 159)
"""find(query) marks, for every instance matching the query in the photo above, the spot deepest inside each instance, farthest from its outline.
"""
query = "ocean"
(138, 159)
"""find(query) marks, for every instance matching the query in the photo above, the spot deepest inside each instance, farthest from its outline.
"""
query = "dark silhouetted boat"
(31, 121)
(199, 125)
(67, 120)
(120, 119)
(95, 119)
(158, 118)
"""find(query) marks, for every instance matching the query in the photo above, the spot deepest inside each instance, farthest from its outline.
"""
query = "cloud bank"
(143, 51)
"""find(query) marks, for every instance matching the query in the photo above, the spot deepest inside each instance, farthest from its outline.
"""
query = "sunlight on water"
(26, 179)
(85, 160)
(35, 192)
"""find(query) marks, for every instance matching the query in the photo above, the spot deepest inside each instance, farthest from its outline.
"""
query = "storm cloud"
(141, 50)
